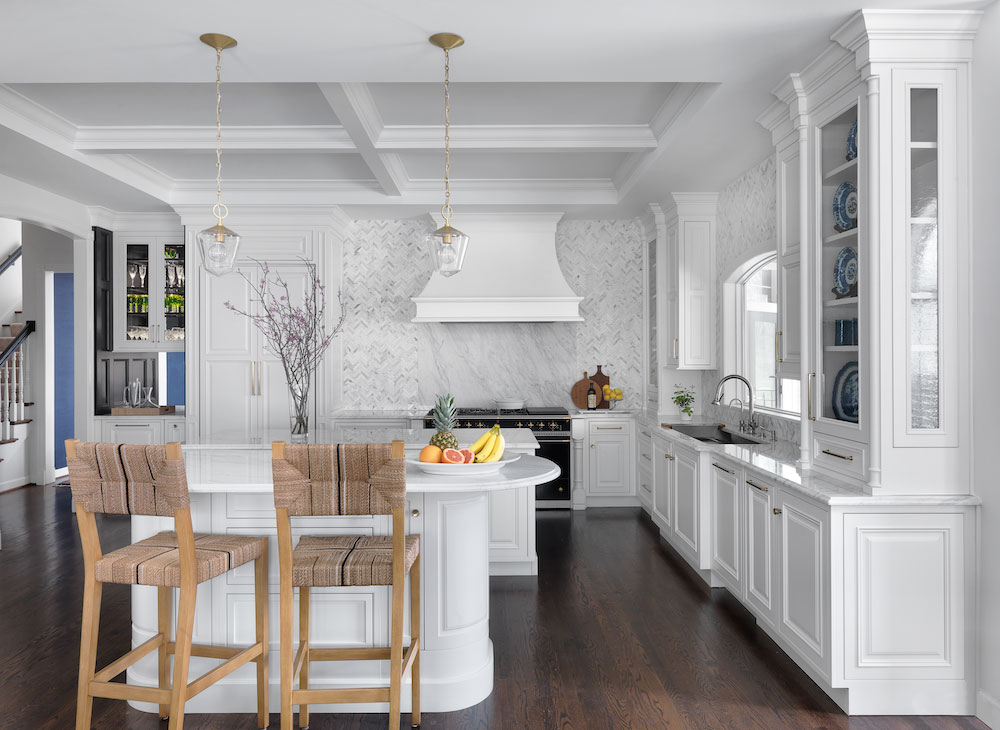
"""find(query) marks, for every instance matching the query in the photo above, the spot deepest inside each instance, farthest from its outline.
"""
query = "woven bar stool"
(345, 479)
(150, 480)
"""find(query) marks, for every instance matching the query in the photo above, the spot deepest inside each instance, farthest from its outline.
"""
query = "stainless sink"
(714, 434)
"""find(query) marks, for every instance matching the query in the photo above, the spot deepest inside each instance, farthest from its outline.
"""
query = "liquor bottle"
(591, 398)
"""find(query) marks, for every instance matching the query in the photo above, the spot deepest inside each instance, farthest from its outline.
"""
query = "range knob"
(520, 425)
(468, 424)
(480, 424)
(553, 425)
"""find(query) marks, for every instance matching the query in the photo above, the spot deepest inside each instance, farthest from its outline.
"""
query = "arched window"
(751, 323)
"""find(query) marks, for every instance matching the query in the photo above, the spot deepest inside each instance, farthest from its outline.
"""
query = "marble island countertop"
(414, 439)
(777, 461)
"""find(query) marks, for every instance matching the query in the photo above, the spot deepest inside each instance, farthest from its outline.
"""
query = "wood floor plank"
(615, 632)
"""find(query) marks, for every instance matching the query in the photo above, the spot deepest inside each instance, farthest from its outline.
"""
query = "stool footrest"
(227, 667)
(127, 660)
(324, 696)
(332, 655)
(119, 691)
(208, 651)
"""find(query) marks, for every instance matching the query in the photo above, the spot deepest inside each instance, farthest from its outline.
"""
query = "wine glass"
(142, 275)
(172, 276)
(180, 276)
(132, 271)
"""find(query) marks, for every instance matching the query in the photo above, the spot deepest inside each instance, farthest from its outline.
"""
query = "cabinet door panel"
(759, 593)
(663, 477)
(228, 403)
(725, 500)
(225, 333)
(686, 513)
(609, 465)
(804, 598)
(133, 433)
(789, 315)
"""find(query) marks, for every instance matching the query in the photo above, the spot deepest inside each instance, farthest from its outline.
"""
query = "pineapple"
(444, 421)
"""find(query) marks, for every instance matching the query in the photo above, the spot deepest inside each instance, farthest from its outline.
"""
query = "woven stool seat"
(348, 560)
(156, 560)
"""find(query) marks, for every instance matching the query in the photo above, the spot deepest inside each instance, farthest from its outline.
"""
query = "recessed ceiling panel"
(521, 103)
(513, 165)
(182, 104)
(200, 165)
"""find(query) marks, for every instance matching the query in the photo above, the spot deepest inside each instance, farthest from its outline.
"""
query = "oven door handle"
(553, 441)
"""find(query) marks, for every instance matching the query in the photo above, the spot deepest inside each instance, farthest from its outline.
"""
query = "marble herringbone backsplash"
(390, 362)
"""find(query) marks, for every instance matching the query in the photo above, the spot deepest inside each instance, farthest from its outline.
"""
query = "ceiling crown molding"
(519, 136)
(148, 138)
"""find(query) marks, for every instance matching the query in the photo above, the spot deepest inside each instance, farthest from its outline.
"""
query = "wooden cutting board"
(600, 380)
(579, 392)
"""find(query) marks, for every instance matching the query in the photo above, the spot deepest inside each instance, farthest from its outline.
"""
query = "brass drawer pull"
(646, 433)
(756, 486)
(839, 456)
(669, 457)
(809, 395)
(777, 355)
(608, 428)
(722, 468)
(776, 511)
(646, 457)
(415, 513)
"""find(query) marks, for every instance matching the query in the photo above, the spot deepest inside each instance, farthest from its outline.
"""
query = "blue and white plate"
(845, 272)
(845, 206)
(852, 141)
(846, 394)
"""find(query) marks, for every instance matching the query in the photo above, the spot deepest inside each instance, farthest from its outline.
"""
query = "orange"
(452, 456)
(431, 454)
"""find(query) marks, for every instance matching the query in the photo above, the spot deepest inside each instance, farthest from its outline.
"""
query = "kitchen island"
(232, 493)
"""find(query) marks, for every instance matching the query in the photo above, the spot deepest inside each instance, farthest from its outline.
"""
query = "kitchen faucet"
(751, 423)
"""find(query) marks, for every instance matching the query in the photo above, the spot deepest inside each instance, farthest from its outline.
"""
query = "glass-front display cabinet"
(150, 282)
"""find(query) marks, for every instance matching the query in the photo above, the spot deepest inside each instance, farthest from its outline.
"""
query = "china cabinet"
(150, 277)
(882, 123)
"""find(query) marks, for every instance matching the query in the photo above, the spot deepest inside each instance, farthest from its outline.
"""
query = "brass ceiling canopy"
(218, 41)
(445, 41)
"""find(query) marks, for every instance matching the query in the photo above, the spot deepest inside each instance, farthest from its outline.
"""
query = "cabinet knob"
(593, 446)
(415, 513)
(776, 511)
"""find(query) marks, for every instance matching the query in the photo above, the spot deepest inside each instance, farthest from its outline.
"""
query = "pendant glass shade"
(447, 246)
(218, 249)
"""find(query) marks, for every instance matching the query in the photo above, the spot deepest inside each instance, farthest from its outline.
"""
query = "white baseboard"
(988, 709)
(14, 483)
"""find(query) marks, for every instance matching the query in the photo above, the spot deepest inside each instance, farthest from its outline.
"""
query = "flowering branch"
(297, 335)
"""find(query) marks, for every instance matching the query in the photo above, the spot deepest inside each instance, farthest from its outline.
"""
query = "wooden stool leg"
(304, 641)
(88, 649)
(415, 634)
(182, 654)
(396, 657)
(285, 649)
(261, 598)
(164, 609)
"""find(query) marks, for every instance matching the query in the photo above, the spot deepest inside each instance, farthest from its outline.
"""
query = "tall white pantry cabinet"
(899, 582)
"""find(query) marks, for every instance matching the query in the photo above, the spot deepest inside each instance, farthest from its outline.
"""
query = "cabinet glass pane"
(925, 392)
(651, 278)
(173, 292)
(840, 271)
(137, 276)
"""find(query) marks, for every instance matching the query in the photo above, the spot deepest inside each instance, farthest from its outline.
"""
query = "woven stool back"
(339, 479)
(127, 479)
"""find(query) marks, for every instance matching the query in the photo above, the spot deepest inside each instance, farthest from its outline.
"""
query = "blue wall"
(62, 336)
(175, 379)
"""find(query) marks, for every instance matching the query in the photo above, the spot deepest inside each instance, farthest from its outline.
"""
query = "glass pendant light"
(218, 244)
(447, 245)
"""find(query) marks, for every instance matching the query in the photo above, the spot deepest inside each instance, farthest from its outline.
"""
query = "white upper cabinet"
(149, 287)
(879, 127)
(690, 306)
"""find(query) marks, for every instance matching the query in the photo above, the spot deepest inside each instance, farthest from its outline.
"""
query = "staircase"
(13, 373)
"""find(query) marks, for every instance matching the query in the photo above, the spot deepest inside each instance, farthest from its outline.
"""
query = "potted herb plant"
(684, 399)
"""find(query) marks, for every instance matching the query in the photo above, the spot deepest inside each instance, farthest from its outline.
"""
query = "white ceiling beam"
(683, 102)
(28, 118)
(130, 139)
(355, 108)
(519, 136)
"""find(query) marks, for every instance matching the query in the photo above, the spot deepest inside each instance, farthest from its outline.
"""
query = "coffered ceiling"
(590, 107)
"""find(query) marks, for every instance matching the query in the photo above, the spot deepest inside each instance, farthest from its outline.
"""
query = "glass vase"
(298, 413)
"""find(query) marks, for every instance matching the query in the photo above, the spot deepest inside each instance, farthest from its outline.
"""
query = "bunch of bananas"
(490, 446)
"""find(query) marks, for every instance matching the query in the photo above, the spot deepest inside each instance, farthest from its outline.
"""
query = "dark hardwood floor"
(615, 633)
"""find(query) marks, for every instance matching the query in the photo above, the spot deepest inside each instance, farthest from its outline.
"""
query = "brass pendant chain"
(219, 208)
(446, 210)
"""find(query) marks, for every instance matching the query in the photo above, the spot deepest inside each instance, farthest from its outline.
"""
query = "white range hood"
(511, 274)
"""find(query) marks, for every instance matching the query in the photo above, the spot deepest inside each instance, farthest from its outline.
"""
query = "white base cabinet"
(604, 456)
(138, 430)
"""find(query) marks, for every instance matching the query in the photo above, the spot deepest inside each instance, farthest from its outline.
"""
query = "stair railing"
(11, 258)
(13, 377)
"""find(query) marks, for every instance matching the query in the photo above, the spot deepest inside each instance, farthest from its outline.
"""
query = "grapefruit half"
(468, 455)
(452, 456)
